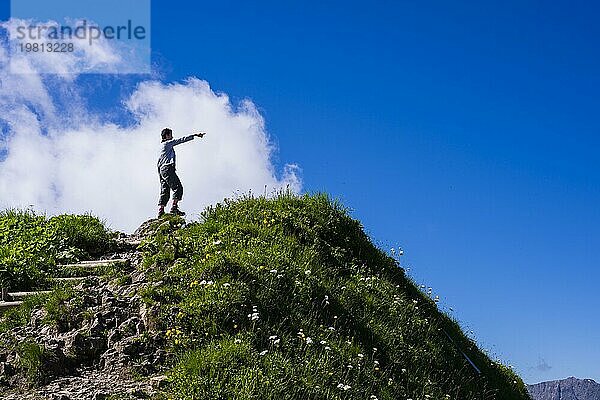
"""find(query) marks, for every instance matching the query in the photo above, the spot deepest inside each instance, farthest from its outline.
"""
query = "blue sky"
(464, 132)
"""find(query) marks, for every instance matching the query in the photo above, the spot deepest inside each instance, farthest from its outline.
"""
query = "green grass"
(59, 306)
(31, 245)
(31, 357)
(287, 298)
(282, 298)
(21, 315)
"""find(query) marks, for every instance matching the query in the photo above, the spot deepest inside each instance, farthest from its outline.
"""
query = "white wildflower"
(254, 315)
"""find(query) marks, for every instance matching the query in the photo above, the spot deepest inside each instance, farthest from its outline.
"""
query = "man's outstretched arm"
(187, 138)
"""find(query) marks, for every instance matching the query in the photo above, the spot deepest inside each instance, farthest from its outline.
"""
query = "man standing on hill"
(166, 171)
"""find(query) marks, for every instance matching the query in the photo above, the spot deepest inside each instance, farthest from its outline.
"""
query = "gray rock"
(159, 382)
(138, 276)
(96, 326)
(76, 344)
(6, 369)
(37, 317)
(114, 335)
(129, 327)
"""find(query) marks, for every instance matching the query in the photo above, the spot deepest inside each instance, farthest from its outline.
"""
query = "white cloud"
(542, 366)
(104, 56)
(68, 160)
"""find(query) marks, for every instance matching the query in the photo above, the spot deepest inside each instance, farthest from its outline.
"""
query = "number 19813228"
(48, 47)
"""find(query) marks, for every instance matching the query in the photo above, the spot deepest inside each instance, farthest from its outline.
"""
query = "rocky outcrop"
(565, 389)
(88, 351)
(90, 384)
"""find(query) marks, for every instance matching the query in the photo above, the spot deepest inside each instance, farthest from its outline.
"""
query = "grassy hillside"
(289, 299)
(283, 298)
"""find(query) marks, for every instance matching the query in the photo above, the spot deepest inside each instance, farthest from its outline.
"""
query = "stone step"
(107, 261)
(74, 279)
(14, 296)
(85, 268)
(7, 305)
(80, 271)
(94, 263)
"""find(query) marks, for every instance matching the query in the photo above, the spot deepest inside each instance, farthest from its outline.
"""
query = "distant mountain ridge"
(565, 389)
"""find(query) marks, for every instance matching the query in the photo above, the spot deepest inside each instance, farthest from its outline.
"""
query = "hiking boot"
(176, 211)
(161, 212)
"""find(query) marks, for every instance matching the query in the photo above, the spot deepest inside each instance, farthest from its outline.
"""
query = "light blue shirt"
(167, 151)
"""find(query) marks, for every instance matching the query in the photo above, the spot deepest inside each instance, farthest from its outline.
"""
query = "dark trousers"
(169, 181)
